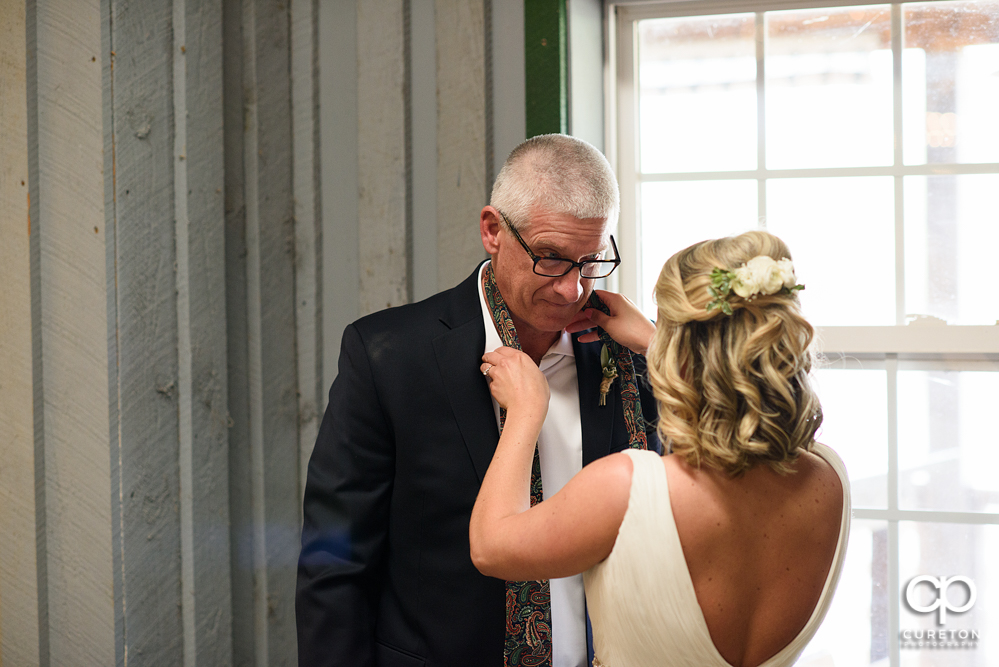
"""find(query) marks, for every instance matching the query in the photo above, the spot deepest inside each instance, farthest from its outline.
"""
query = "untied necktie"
(528, 603)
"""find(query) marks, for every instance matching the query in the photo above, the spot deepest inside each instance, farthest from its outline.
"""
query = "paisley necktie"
(528, 603)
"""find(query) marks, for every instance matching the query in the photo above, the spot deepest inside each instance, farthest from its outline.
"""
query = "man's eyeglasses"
(555, 267)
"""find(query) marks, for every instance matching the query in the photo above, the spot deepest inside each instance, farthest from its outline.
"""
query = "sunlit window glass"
(829, 87)
(842, 234)
(950, 82)
(698, 93)
(867, 137)
(948, 444)
(951, 236)
(947, 549)
(855, 424)
(676, 215)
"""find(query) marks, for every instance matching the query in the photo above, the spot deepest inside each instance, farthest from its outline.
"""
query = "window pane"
(855, 424)
(948, 444)
(951, 233)
(677, 215)
(855, 631)
(829, 87)
(698, 93)
(950, 82)
(940, 550)
(842, 234)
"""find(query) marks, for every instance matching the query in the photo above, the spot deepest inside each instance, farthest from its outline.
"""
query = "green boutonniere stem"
(609, 369)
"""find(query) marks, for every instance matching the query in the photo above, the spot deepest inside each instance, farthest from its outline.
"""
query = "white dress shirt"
(560, 448)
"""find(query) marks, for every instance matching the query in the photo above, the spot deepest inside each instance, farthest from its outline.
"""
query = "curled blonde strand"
(733, 390)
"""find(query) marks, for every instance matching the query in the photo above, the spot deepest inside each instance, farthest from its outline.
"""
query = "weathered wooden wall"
(217, 188)
(383, 224)
(18, 546)
(464, 150)
(70, 332)
(306, 160)
(261, 241)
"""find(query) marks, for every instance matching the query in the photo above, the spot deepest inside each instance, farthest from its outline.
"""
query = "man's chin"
(557, 324)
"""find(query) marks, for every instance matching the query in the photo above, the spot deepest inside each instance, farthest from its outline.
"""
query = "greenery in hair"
(721, 285)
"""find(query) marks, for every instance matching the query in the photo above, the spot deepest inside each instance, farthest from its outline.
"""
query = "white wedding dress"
(641, 599)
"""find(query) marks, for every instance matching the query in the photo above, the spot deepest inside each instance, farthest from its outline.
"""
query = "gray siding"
(217, 188)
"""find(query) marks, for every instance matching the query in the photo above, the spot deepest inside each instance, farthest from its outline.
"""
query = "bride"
(726, 551)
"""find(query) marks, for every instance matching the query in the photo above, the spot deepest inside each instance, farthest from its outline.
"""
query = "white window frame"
(888, 348)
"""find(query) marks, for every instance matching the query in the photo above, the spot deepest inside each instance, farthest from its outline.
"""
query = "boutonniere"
(609, 369)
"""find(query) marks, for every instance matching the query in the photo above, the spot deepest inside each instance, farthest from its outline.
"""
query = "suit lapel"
(596, 421)
(459, 353)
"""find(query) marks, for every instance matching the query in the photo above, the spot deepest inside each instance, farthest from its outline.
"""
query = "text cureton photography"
(926, 594)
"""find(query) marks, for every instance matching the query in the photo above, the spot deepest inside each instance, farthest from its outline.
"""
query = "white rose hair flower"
(746, 282)
(760, 275)
(766, 274)
(786, 270)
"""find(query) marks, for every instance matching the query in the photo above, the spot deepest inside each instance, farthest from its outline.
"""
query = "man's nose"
(569, 286)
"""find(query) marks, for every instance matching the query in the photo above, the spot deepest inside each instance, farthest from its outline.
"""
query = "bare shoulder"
(611, 477)
(581, 521)
(821, 472)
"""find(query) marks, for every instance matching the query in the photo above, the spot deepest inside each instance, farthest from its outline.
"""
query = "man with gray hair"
(385, 576)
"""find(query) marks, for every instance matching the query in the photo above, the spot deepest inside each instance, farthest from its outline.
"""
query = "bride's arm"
(567, 533)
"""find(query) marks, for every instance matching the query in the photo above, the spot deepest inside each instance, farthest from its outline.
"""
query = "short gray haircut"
(556, 173)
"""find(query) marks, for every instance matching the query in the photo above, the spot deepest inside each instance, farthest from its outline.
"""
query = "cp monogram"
(942, 602)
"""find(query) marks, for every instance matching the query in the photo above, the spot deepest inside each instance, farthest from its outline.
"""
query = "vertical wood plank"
(70, 333)
(381, 163)
(240, 497)
(461, 137)
(308, 230)
(271, 364)
(423, 131)
(339, 146)
(508, 80)
(147, 383)
(202, 388)
(18, 564)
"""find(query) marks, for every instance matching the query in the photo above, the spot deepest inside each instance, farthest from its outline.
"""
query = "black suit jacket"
(385, 577)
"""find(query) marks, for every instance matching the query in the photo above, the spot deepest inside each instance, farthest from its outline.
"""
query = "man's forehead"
(589, 239)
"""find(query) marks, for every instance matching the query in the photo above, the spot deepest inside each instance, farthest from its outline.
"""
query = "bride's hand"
(626, 323)
(516, 382)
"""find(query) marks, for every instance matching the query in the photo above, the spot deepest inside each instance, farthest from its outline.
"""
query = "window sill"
(908, 340)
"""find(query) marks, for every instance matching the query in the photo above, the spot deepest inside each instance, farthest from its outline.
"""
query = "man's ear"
(489, 228)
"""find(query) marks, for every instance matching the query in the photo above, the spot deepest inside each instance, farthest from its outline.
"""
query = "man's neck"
(534, 343)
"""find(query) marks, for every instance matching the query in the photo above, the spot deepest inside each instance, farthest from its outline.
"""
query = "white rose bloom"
(786, 269)
(746, 283)
(766, 274)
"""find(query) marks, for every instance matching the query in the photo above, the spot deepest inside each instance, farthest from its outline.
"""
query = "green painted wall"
(546, 57)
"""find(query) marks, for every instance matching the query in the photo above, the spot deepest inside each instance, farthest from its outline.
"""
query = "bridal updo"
(733, 390)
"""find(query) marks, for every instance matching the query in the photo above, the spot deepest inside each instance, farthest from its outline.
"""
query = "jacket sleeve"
(345, 529)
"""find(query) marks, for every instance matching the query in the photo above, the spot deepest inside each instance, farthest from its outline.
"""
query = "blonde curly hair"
(733, 390)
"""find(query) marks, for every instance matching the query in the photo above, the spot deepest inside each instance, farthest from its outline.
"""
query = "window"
(867, 137)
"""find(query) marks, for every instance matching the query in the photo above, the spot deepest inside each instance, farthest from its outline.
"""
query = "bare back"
(758, 548)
